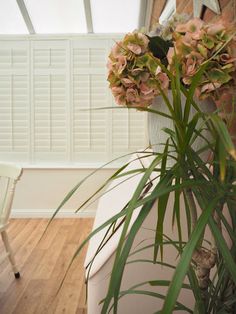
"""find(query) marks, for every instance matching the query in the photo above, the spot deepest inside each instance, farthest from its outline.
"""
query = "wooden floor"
(42, 266)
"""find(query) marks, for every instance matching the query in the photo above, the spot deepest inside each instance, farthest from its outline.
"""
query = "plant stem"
(204, 260)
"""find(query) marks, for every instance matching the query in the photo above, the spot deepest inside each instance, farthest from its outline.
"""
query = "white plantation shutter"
(128, 131)
(137, 130)
(50, 100)
(128, 128)
(101, 134)
(90, 127)
(48, 90)
(14, 101)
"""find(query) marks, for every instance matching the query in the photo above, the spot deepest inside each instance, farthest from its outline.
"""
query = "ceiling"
(73, 16)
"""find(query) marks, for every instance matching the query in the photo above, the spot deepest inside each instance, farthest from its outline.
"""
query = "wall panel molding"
(47, 213)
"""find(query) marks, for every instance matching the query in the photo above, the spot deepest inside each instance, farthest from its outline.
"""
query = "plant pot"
(156, 124)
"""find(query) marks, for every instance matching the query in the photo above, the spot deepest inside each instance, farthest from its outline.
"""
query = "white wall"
(40, 191)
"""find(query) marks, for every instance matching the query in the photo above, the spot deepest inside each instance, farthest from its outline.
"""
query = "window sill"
(64, 166)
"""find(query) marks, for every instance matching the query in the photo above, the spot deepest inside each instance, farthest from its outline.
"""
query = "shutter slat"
(92, 124)
(14, 103)
(50, 113)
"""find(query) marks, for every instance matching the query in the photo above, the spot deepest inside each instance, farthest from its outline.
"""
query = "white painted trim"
(88, 15)
(211, 4)
(89, 36)
(142, 13)
(148, 14)
(69, 166)
(168, 11)
(47, 213)
(25, 15)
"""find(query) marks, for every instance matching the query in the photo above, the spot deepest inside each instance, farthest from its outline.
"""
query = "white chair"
(9, 174)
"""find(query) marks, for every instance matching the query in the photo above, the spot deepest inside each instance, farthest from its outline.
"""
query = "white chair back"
(9, 174)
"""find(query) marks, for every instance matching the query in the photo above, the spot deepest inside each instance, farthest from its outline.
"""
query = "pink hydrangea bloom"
(121, 64)
(164, 80)
(215, 28)
(197, 42)
(135, 48)
(193, 26)
(117, 50)
(133, 83)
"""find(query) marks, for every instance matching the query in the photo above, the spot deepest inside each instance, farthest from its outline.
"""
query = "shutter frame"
(37, 72)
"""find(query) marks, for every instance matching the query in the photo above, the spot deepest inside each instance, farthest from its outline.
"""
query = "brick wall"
(228, 12)
(228, 9)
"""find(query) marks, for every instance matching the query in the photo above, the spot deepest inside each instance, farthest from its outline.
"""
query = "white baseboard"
(47, 213)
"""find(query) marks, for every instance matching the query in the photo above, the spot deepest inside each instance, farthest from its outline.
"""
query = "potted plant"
(195, 63)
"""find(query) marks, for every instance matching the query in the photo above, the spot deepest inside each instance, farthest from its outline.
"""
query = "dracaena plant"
(200, 63)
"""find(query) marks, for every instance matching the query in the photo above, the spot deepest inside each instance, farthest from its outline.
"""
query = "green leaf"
(177, 214)
(189, 93)
(177, 92)
(150, 261)
(161, 209)
(113, 177)
(170, 132)
(142, 61)
(185, 184)
(216, 75)
(224, 135)
(166, 283)
(133, 290)
(199, 305)
(203, 50)
(170, 242)
(222, 160)
(188, 214)
(183, 265)
(77, 186)
(179, 306)
(191, 127)
(116, 275)
(208, 41)
(224, 250)
(152, 65)
(118, 268)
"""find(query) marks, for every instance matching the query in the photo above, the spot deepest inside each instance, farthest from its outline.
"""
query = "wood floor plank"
(69, 302)
(50, 233)
(30, 298)
(22, 252)
(16, 241)
(43, 265)
(48, 262)
(68, 298)
(12, 296)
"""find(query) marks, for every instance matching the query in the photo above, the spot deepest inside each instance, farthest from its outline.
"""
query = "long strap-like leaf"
(183, 265)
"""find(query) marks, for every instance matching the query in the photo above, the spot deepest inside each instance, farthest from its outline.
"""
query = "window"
(11, 20)
(72, 16)
(47, 91)
(108, 16)
(64, 16)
